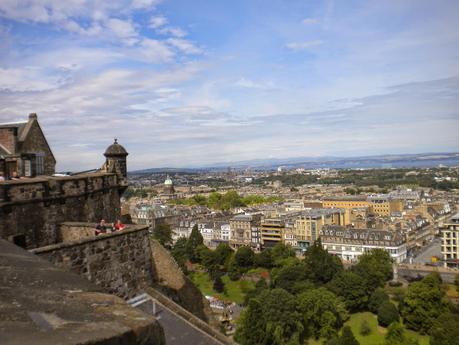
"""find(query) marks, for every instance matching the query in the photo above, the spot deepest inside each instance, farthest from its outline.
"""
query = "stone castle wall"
(35, 207)
(119, 262)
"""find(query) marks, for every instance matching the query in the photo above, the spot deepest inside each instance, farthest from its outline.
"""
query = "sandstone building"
(25, 150)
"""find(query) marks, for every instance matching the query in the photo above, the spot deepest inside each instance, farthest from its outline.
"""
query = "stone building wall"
(7, 138)
(36, 142)
(120, 262)
(35, 207)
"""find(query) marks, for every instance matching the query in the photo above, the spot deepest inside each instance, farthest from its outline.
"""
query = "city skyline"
(193, 83)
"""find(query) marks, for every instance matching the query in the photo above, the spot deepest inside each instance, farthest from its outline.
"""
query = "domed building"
(168, 186)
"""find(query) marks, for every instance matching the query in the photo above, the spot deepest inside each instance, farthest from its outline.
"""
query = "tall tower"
(115, 161)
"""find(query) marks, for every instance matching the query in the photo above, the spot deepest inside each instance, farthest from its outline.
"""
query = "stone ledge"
(52, 247)
(41, 304)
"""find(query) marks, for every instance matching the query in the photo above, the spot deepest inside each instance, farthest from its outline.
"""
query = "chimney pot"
(32, 115)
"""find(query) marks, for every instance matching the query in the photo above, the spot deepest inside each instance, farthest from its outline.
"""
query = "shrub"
(387, 313)
(365, 328)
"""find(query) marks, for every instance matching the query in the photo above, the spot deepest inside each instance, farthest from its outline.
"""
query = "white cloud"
(157, 21)
(123, 29)
(297, 46)
(185, 46)
(250, 84)
(147, 4)
(155, 51)
(28, 79)
(174, 31)
(310, 21)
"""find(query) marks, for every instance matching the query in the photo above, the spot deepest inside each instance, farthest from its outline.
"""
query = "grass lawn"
(376, 337)
(234, 291)
(451, 291)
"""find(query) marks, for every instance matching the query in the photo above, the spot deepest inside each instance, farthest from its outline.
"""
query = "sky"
(186, 83)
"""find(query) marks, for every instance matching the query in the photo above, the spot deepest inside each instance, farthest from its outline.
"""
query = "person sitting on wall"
(118, 226)
(15, 175)
(101, 228)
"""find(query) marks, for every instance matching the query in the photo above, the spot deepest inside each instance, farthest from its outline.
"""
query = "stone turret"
(115, 161)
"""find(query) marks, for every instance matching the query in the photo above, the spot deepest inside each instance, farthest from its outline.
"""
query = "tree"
(234, 271)
(347, 337)
(387, 313)
(293, 278)
(206, 257)
(179, 252)
(396, 336)
(222, 253)
(193, 242)
(445, 330)
(260, 286)
(322, 311)
(456, 282)
(218, 285)
(352, 288)
(244, 257)
(375, 267)
(424, 302)
(251, 328)
(163, 233)
(283, 322)
(281, 251)
(377, 298)
(264, 259)
(321, 265)
(365, 328)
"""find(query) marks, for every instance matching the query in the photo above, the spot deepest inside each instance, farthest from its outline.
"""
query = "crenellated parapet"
(32, 209)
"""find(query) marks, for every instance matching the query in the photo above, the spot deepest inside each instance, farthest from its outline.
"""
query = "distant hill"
(421, 160)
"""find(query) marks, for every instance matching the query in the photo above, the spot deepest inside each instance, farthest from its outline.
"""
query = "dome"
(168, 181)
(115, 149)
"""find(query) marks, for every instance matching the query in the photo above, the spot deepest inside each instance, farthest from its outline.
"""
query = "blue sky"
(188, 83)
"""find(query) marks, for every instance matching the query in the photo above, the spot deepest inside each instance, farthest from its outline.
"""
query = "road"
(426, 253)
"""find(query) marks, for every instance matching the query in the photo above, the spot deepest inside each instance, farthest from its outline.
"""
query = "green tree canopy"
(264, 259)
(283, 322)
(321, 311)
(321, 265)
(179, 252)
(423, 303)
(445, 330)
(251, 328)
(222, 253)
(163, 233)
(387, 313)
(293, 278)
(375, 267)
(347, 337)
(377, 298)
(281, 251)
(194, 241)
(352, 288)
(244, 257)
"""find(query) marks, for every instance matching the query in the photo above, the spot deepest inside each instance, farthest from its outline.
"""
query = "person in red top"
(118, 225)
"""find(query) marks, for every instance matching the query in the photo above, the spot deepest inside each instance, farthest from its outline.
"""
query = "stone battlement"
(32, 209)
(48, 188)
(119, 262)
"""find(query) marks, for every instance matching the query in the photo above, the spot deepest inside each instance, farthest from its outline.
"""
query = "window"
(39, 163)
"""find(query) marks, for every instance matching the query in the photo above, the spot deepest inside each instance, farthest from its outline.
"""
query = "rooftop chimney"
(32, 115)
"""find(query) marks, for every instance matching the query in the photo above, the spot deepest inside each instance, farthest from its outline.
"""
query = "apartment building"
(308, 224)
(241, 228)
(349, 244)
(450, 242)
